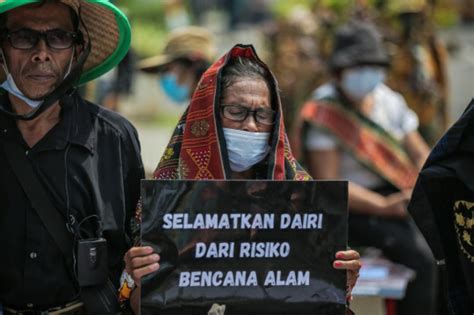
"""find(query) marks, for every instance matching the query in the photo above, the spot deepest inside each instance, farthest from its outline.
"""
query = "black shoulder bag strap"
(97, 300)
(52, 219)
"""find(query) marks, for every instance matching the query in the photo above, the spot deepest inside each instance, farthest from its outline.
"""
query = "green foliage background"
(149, 31)
(148, 28)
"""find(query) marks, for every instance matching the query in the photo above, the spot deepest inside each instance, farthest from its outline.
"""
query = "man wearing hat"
(356, 128)
(188, 52)
(70, 170)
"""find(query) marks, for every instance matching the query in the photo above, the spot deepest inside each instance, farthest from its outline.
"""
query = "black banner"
(251, 245)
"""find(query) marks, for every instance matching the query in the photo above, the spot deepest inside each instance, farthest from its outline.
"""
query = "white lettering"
(218, 279)
(211, 220)
(200, 250)
(219, 221)
(235, 219)
(301, 221)
(224, 222)
(199, 222)
(168, 221)
(285, 221)
(303, 277)
(244, 250)
(206, 279)
(264, 250)
(293, 278)
(184, 279)
(268, 221)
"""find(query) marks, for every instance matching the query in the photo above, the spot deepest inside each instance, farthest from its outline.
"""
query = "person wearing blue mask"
(188, 52)
(356, 128)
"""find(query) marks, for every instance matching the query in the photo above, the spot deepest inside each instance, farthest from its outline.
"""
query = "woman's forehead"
(248, 91)
(248, 85)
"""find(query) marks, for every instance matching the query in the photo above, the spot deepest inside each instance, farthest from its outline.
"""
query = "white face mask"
(245, 149)
(10, 86)
(361, 81)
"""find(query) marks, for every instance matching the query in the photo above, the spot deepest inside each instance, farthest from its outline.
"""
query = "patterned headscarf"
(197, 149)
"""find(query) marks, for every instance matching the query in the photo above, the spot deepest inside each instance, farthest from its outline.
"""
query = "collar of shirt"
(75, 127)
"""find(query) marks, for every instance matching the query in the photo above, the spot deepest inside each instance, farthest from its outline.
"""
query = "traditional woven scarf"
(363, 139)
(197, 148)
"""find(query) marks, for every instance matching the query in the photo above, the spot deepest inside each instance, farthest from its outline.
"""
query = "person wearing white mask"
(70, 170)
(356, 128)
(232, 129)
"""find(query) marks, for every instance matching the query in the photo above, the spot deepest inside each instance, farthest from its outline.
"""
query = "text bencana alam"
(242, 221)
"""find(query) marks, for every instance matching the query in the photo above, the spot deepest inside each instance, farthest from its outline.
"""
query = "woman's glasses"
(27, 38)
(264, 116)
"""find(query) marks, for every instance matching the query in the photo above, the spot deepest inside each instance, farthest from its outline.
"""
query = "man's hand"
(140, 261)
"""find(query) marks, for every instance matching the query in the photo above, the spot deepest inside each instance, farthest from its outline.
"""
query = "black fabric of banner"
(302, 280)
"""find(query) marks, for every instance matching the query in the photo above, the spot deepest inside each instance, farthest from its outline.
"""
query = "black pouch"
(98, 293)
(92, 264)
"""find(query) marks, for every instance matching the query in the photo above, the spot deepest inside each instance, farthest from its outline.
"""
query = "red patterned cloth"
(362, 138)
(195, 150)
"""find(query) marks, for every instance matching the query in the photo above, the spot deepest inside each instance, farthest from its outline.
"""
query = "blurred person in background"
(110, 87)
(294, 52)
(237, 13)
(418, 68)
(187, 54)
(117, 82)
(358, 129)
(175, 14)
(466, 10)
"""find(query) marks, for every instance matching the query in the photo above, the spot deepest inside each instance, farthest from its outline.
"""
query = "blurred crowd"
(297, 47)
(353, 90)
(309, 57)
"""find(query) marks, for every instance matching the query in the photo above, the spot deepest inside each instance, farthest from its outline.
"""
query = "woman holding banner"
(216, 139)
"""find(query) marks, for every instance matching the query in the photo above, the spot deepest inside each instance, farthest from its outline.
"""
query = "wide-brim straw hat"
(358, 43)
(190, 42)
(108, 32)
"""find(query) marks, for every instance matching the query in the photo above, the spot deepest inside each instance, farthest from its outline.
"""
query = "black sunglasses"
(26, 39)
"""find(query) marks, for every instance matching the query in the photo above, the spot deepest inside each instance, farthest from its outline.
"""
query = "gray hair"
(239, 67)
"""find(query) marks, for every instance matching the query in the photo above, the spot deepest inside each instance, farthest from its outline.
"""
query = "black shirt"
(90, 164)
